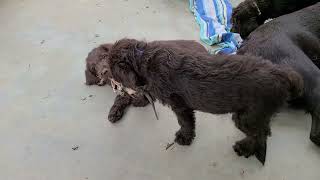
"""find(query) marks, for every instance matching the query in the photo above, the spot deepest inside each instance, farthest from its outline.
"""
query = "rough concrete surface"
(50, 129)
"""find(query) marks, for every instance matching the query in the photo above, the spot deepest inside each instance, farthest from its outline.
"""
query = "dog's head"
(124, 62)
(246, 17)
(97, 68)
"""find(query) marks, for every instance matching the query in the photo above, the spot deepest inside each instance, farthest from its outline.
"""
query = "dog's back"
(301, 27)
(221, 84)
(292, 39)
(250, 14)
(217, 84)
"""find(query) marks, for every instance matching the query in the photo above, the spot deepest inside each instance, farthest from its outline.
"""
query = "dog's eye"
(104, 56)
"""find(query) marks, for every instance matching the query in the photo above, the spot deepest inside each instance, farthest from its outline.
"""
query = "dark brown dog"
(250, 14)
(294, 40)
(98, 73)
(250, 87)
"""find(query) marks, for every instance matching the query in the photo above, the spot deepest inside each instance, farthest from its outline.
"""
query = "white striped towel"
(214, 19)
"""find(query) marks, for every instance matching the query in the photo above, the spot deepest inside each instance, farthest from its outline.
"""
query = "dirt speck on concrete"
(214, 164)
(85, 98)
(242, 172)
(75, 148)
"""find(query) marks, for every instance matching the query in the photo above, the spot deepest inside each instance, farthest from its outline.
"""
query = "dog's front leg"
(118, 108)
(186, 121)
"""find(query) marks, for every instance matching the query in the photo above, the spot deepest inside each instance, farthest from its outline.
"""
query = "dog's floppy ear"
(125, 74)
(125, 55)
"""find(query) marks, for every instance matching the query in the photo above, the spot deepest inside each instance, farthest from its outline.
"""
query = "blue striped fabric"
(214, 19)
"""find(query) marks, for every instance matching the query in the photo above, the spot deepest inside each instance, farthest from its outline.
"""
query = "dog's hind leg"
(315, 126)
(252, 145)
(236, 117)
(186, 120)
(257, 129)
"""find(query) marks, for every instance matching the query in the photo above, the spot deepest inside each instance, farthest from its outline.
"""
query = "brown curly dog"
(251, 88)
(98, 73)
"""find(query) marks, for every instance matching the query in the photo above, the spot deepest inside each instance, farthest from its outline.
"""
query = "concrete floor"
(50, 129)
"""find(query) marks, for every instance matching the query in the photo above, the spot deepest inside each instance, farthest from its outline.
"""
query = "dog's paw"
(115, 116)
(249, 146)
(184, 138)
(245, 147)
(113, 119)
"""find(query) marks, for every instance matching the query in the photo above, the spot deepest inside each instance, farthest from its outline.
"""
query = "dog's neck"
(138, 57)
(141, 59)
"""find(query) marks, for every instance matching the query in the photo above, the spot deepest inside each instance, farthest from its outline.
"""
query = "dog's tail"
(295, 82)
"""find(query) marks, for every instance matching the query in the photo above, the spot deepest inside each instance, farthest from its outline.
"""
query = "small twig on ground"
(47, 96)
(242, 172)
(214, 164)
(169, 145)
(85, 98)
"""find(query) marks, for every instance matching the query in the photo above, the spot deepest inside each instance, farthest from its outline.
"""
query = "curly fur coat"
(251, 88)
